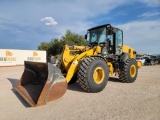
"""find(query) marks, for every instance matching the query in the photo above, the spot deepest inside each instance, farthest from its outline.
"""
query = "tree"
(55, 46)
(45, 46)
(73, 39)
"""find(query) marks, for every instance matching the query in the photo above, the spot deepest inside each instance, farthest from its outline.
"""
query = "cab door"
(118, 41)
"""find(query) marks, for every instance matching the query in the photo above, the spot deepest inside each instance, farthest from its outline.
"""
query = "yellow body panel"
(132, 54)
(130, 50)
(139, 64)
(111, 69)
(71, 60)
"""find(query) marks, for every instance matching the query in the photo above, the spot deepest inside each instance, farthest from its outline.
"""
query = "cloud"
(49, 21)
(151, 3)
(73, 15)
(142, 35)
(149, 14)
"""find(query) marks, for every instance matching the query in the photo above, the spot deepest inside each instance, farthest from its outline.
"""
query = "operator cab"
(106, 36)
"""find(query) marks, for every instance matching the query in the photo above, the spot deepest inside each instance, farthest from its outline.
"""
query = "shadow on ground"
(75, 87)
(113, 79)
(14, 82)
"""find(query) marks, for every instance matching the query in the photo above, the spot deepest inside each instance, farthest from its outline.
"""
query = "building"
(12, 57)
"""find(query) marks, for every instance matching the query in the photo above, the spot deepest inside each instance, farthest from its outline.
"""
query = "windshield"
(97, 36)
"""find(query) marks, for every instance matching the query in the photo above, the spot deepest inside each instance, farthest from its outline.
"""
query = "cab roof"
(105, 25)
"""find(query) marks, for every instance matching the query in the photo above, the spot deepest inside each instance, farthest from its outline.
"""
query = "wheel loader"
(90, 66)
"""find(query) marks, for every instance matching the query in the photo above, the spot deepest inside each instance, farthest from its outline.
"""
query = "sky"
(24, 24)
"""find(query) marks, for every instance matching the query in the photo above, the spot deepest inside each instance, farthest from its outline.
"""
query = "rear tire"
(93, 74)
(129, 71)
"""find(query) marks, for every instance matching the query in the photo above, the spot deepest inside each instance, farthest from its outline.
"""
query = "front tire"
(129, 71)
(93, 74)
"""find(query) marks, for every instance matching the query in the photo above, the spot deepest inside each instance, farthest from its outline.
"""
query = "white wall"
(10, 57)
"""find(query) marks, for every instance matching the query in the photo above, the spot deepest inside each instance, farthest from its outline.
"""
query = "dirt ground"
(118, 101)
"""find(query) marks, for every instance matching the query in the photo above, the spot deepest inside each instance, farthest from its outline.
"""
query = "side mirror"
(85, 37)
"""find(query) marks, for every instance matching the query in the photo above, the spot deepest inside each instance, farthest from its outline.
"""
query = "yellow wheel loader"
(89, 65)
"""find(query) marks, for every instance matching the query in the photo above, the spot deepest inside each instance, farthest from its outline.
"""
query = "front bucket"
(41, 83)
